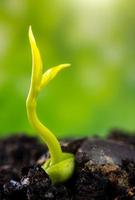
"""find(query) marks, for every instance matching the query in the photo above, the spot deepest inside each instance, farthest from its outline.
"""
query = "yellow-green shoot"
(60, 166)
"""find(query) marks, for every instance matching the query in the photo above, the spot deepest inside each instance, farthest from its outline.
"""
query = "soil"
(104, 170)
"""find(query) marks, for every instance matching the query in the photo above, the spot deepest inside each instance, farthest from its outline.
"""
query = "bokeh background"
(97, 37)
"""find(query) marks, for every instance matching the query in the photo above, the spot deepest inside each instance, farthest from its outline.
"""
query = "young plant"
(60, 166)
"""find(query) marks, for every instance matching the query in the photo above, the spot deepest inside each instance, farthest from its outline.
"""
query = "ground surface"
(105, 169)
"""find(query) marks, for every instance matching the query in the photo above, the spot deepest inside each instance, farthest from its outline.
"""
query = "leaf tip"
(66, 65)
(31, 36)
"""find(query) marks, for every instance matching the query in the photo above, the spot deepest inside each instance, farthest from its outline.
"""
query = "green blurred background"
(97, 37)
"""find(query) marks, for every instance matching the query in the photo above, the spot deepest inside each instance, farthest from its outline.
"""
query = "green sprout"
(60, 166)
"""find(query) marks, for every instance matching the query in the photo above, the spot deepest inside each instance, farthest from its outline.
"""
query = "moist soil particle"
(104, 169)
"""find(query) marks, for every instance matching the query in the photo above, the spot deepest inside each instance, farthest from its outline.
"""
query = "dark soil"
(104, 170)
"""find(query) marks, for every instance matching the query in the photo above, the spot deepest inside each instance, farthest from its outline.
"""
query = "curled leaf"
(36, 62)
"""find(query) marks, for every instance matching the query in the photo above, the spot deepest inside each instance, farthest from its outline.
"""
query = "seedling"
(60, 166)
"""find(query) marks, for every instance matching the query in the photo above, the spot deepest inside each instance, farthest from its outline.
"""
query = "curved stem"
(46, 135)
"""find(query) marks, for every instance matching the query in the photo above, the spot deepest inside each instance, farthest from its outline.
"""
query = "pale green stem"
(46, 135)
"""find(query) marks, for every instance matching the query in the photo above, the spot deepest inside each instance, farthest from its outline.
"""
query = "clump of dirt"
(104, 169)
